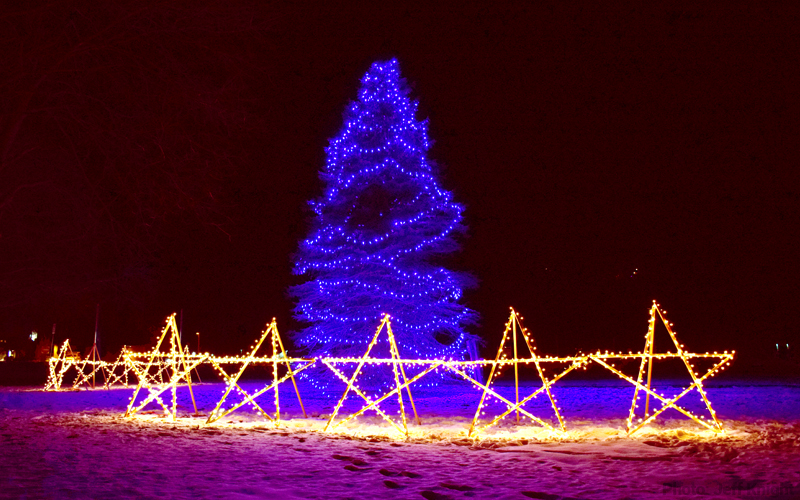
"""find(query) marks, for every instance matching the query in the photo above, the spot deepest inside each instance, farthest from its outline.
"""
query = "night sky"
(167, 152)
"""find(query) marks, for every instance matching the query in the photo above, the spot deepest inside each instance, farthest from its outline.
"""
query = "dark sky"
(586, 143)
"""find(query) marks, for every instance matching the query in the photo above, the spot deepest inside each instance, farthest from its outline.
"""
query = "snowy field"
(76, 444)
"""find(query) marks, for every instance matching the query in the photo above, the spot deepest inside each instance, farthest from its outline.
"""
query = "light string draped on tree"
(382, 219)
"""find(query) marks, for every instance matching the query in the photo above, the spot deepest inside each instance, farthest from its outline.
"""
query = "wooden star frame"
(277, 359)
(180, 365)
(115, 376)
(514, 328)
(59, 365)
(86, 370)
(647, 357)
(398, 370)
(158, 371)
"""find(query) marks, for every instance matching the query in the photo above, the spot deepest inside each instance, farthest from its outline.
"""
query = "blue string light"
(381, 218)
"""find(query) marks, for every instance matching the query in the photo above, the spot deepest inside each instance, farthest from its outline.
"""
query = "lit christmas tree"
(380, 226)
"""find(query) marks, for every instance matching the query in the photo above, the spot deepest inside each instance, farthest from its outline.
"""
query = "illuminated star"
(111, 370)
(277, 359)
(59, 365)
(647, 356)
(513, 328)
(180, 365)
(94, 366)
(398, 370)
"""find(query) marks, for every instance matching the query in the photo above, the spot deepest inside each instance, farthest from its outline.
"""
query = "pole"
(649, 371)
(185, 364)
(96, 323)
(516, 366)
(95, 354)
(491, 375)
(198, 352)
(52, 340)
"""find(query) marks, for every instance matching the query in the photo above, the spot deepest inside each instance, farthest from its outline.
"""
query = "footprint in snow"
(432, 495)
(387, 472)
(456, 487)
(540, 495)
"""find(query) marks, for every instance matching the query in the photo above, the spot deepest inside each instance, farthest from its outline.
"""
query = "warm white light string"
(65, 361)
(159, 372)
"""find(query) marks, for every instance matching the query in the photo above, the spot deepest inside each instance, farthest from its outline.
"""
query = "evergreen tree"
(379, 229)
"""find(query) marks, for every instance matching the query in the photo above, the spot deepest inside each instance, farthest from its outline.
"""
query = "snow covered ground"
(76, 444)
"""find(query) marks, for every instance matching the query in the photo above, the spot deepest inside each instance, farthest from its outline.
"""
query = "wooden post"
(185, 367)
(94, 354)
(396, 354)
(53, 341)
(516, 366)
(273, 328)
(291, 372)
(198, 352)
(649, 370)
(489, 380)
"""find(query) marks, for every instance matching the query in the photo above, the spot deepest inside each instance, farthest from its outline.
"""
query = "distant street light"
(198, 341)
(34, 335)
